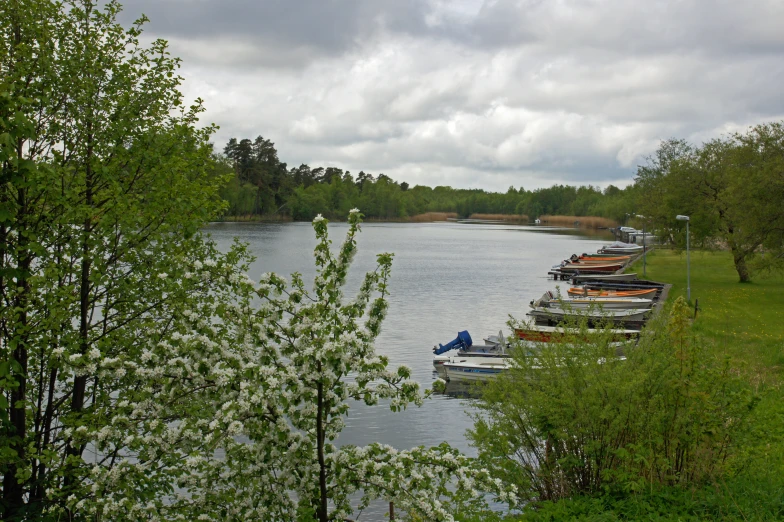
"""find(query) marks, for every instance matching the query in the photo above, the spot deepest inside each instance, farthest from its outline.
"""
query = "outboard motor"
(462, 342)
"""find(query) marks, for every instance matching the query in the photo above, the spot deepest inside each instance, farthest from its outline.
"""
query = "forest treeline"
(263, 185)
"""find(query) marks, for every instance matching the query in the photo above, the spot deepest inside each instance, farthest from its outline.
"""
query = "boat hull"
(605, 277)
(462, 372)
(633, 315)
(645, 293)
(573, 267)
(602, 260)
(630, 250)
(545, 334)
(600, 304)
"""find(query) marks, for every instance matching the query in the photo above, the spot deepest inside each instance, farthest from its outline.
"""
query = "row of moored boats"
(599, 300)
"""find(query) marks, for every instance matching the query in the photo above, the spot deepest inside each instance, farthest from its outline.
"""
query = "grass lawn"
(746, 320)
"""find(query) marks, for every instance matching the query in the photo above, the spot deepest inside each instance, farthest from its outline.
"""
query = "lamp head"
(682, 218)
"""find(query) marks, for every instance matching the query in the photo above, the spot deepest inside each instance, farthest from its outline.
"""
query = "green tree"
(730, 186)
(106, 180)
(133, 354)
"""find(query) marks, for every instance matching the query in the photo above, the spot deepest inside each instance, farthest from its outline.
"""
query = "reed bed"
(432, 216)
(256, 218)
(510, 218)
(580, 221)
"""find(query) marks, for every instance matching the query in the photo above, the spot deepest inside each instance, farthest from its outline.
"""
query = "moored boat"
(584, 303)
(620, 248)
(599, 260)
(543, 333)
(586, 292)
(495, 346)
(464, 370)
(577, 278)
(619, 316)
(576, 267)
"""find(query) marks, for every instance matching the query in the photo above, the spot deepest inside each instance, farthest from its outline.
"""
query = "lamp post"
(688, 286)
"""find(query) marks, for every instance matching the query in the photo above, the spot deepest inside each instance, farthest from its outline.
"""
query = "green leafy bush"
(578, 419)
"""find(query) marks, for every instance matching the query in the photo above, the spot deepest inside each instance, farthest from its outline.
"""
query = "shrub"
(578, 419)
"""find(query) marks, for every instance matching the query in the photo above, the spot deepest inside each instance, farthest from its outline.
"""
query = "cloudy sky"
(476, 93)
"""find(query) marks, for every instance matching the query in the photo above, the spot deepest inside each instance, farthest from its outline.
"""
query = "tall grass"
(581, 221)
(509, 218)
(432, 216)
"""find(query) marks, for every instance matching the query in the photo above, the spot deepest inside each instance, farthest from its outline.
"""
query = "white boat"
(542, 333)
(475, 369)
(495, 345)
(556, 313)
(620, 248)
(604, 277)
(548, 300)
(440, 361)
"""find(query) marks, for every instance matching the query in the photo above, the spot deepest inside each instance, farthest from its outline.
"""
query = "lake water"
(446, 277)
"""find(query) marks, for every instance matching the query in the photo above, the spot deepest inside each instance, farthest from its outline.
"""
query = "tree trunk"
(323, 512)
(739, 257)
(80, 382)
(13, 491)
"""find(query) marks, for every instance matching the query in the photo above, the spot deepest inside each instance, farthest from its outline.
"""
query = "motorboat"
(577, 278)
(474, 369)
(482, 359)
(559, 314)
(632, 293)
(599, 260)
(620, 248)
(549, 300)
(577, 267)
(544, 333)
(495, 345)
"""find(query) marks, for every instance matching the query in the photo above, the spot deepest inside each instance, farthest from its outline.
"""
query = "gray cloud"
(276, 33)
(477, 93)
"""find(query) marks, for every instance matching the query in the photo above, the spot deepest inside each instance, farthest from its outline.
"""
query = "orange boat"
(649, 293)
(603, 260)
(573, 267)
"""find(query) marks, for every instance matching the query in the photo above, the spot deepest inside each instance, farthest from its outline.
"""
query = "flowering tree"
(268, 380)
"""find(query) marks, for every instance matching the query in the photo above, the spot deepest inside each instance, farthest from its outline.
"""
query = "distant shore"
(433, 217)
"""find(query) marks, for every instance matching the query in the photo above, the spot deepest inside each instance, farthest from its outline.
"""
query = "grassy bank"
(745, 323)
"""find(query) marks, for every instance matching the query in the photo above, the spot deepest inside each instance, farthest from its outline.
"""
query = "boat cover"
(462, 342)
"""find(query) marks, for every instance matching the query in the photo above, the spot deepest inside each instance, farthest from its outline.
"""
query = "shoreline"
(585, 223)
